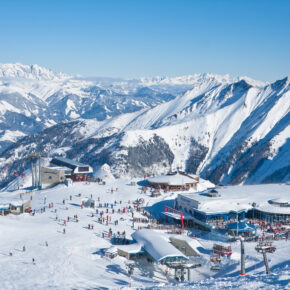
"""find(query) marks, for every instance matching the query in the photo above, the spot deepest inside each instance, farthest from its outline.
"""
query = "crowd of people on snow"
(117, 238)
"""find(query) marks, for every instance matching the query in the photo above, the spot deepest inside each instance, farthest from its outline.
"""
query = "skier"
(46, 243)
(23, 249)
(33, 261)
(63, 231)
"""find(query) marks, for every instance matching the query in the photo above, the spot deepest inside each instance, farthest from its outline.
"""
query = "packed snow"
(76, 260)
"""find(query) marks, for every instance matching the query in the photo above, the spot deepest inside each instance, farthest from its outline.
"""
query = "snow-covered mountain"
(33, 98)
(34, 72)
(230, 131)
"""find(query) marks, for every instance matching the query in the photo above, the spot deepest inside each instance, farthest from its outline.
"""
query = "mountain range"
(228, 130)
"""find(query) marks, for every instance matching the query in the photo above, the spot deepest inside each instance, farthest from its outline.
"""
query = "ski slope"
(75, 260)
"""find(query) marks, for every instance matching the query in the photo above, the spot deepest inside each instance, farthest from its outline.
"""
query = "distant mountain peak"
(229, 130)
(34, 72)
(253, 82)
(186, 79)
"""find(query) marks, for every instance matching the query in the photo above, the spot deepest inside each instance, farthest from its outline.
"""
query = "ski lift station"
(206, 210)
(61, 169)
(53, 175)
(78, 171)
(157, 247)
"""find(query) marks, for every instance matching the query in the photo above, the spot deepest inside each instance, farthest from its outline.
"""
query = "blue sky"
(147, 38)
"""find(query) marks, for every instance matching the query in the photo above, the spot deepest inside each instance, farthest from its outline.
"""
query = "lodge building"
(177, 181)
(203, 209)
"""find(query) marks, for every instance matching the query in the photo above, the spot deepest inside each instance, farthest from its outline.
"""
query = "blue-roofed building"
(215, 208)
(4, 209)
(237, 228)
(208, 210)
